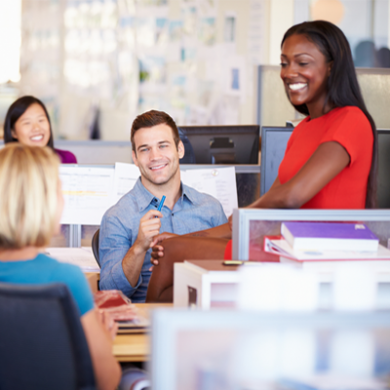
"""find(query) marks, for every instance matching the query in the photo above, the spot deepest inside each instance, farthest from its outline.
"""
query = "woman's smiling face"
(305, 71)
(32, 128)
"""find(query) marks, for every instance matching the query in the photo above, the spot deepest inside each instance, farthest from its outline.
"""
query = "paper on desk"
(125, 178)
(82, 257)
(87, 193)
(219, 183)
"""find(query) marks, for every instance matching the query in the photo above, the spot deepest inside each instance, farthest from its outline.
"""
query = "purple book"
(318, 236)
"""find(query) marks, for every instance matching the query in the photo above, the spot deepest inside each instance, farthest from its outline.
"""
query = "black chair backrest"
(42, 342)
(95, 246)
(189, 154)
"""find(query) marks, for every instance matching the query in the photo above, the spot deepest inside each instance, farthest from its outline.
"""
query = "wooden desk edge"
(136, 347)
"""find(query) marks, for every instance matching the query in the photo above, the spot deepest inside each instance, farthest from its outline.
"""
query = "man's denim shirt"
(119, 229)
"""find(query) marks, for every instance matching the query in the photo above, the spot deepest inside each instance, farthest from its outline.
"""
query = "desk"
(205, 284)
(136, 347)
(93, 280)
(126, 347)
(213, 284)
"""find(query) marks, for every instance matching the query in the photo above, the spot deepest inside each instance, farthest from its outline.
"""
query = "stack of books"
(310, 241)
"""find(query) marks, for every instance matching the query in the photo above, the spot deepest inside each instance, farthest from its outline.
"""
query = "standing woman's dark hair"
(16, 110)
(342, 85)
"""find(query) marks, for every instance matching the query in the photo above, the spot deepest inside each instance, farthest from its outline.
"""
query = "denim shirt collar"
(145, 198)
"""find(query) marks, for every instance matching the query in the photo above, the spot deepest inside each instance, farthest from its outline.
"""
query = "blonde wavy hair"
(29, 184)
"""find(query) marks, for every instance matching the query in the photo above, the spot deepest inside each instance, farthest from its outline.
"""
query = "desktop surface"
(135, 347)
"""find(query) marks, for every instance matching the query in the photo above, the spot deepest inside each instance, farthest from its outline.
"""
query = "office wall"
(109, 60)
(274, 108)
(41, 53)
(194, 59)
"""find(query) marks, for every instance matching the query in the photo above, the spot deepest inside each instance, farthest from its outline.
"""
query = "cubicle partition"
(229, 350)
(273, 146)
(105, 154)
(250, 226)
(98, 152)
(89, 190)
(95, 151)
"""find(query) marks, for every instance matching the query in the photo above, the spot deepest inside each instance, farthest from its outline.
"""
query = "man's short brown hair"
(153, 118)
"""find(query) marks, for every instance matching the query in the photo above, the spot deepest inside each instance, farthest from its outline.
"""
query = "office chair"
(95, 245)
(42, 342)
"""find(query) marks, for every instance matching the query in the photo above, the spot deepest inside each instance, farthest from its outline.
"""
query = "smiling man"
(128, 228)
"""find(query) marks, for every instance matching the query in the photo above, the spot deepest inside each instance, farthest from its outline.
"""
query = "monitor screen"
(224, 144)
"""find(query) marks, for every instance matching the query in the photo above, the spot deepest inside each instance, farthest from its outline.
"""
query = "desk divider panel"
(230, 350)
(89, 190)
(251, 225)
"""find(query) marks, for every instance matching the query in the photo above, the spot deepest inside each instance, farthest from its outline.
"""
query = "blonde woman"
(31, 204)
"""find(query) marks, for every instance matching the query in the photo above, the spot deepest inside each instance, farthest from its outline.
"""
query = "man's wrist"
(138, 249)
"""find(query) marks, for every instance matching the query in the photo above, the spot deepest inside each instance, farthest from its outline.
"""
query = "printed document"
(87, 192)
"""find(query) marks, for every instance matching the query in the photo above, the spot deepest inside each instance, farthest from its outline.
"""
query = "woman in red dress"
(330, 160)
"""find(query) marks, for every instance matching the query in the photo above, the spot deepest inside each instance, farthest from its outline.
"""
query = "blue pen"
(160, 206)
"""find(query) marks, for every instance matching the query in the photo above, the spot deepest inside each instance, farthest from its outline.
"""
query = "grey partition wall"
(383, 168)
(95, 151)
(98, 152)
(273, 145)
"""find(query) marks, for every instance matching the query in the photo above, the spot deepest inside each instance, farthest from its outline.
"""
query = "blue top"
(119, 229)
(44, 269)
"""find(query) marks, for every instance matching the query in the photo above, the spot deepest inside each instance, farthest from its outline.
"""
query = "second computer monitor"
(224, 144)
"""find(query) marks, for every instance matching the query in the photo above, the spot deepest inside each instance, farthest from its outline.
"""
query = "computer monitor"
(224, 144)
(383, 169)
(273, 145)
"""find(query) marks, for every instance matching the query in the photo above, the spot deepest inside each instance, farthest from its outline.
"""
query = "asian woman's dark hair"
(16, 110)
(343, 87)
